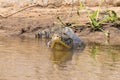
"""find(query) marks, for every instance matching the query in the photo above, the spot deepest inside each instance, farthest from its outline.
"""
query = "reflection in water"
(109, 60)
(61, 57)
(95, 49)
(27, 59)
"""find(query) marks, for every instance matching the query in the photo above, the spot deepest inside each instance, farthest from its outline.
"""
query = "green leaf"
(95, 23)
(81, 5)
(112, 13)
(112, 16)
(94, 14)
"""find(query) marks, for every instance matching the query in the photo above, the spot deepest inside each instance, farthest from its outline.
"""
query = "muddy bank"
(30, 21)
(99, 36)
(56, 3)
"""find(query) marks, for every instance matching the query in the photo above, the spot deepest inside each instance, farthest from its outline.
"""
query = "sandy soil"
(34, 19)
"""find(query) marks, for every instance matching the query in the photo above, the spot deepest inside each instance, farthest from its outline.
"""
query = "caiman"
(65, 40)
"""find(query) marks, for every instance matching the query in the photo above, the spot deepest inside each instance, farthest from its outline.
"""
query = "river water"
(30, 59)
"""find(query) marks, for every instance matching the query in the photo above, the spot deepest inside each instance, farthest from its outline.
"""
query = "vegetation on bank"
(96, 20)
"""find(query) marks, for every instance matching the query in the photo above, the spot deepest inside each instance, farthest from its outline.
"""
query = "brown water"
(27, 59)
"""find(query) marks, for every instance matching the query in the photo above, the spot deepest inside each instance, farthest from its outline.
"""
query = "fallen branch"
(1, 16)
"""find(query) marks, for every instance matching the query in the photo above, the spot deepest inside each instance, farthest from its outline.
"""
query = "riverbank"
(32, 20)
